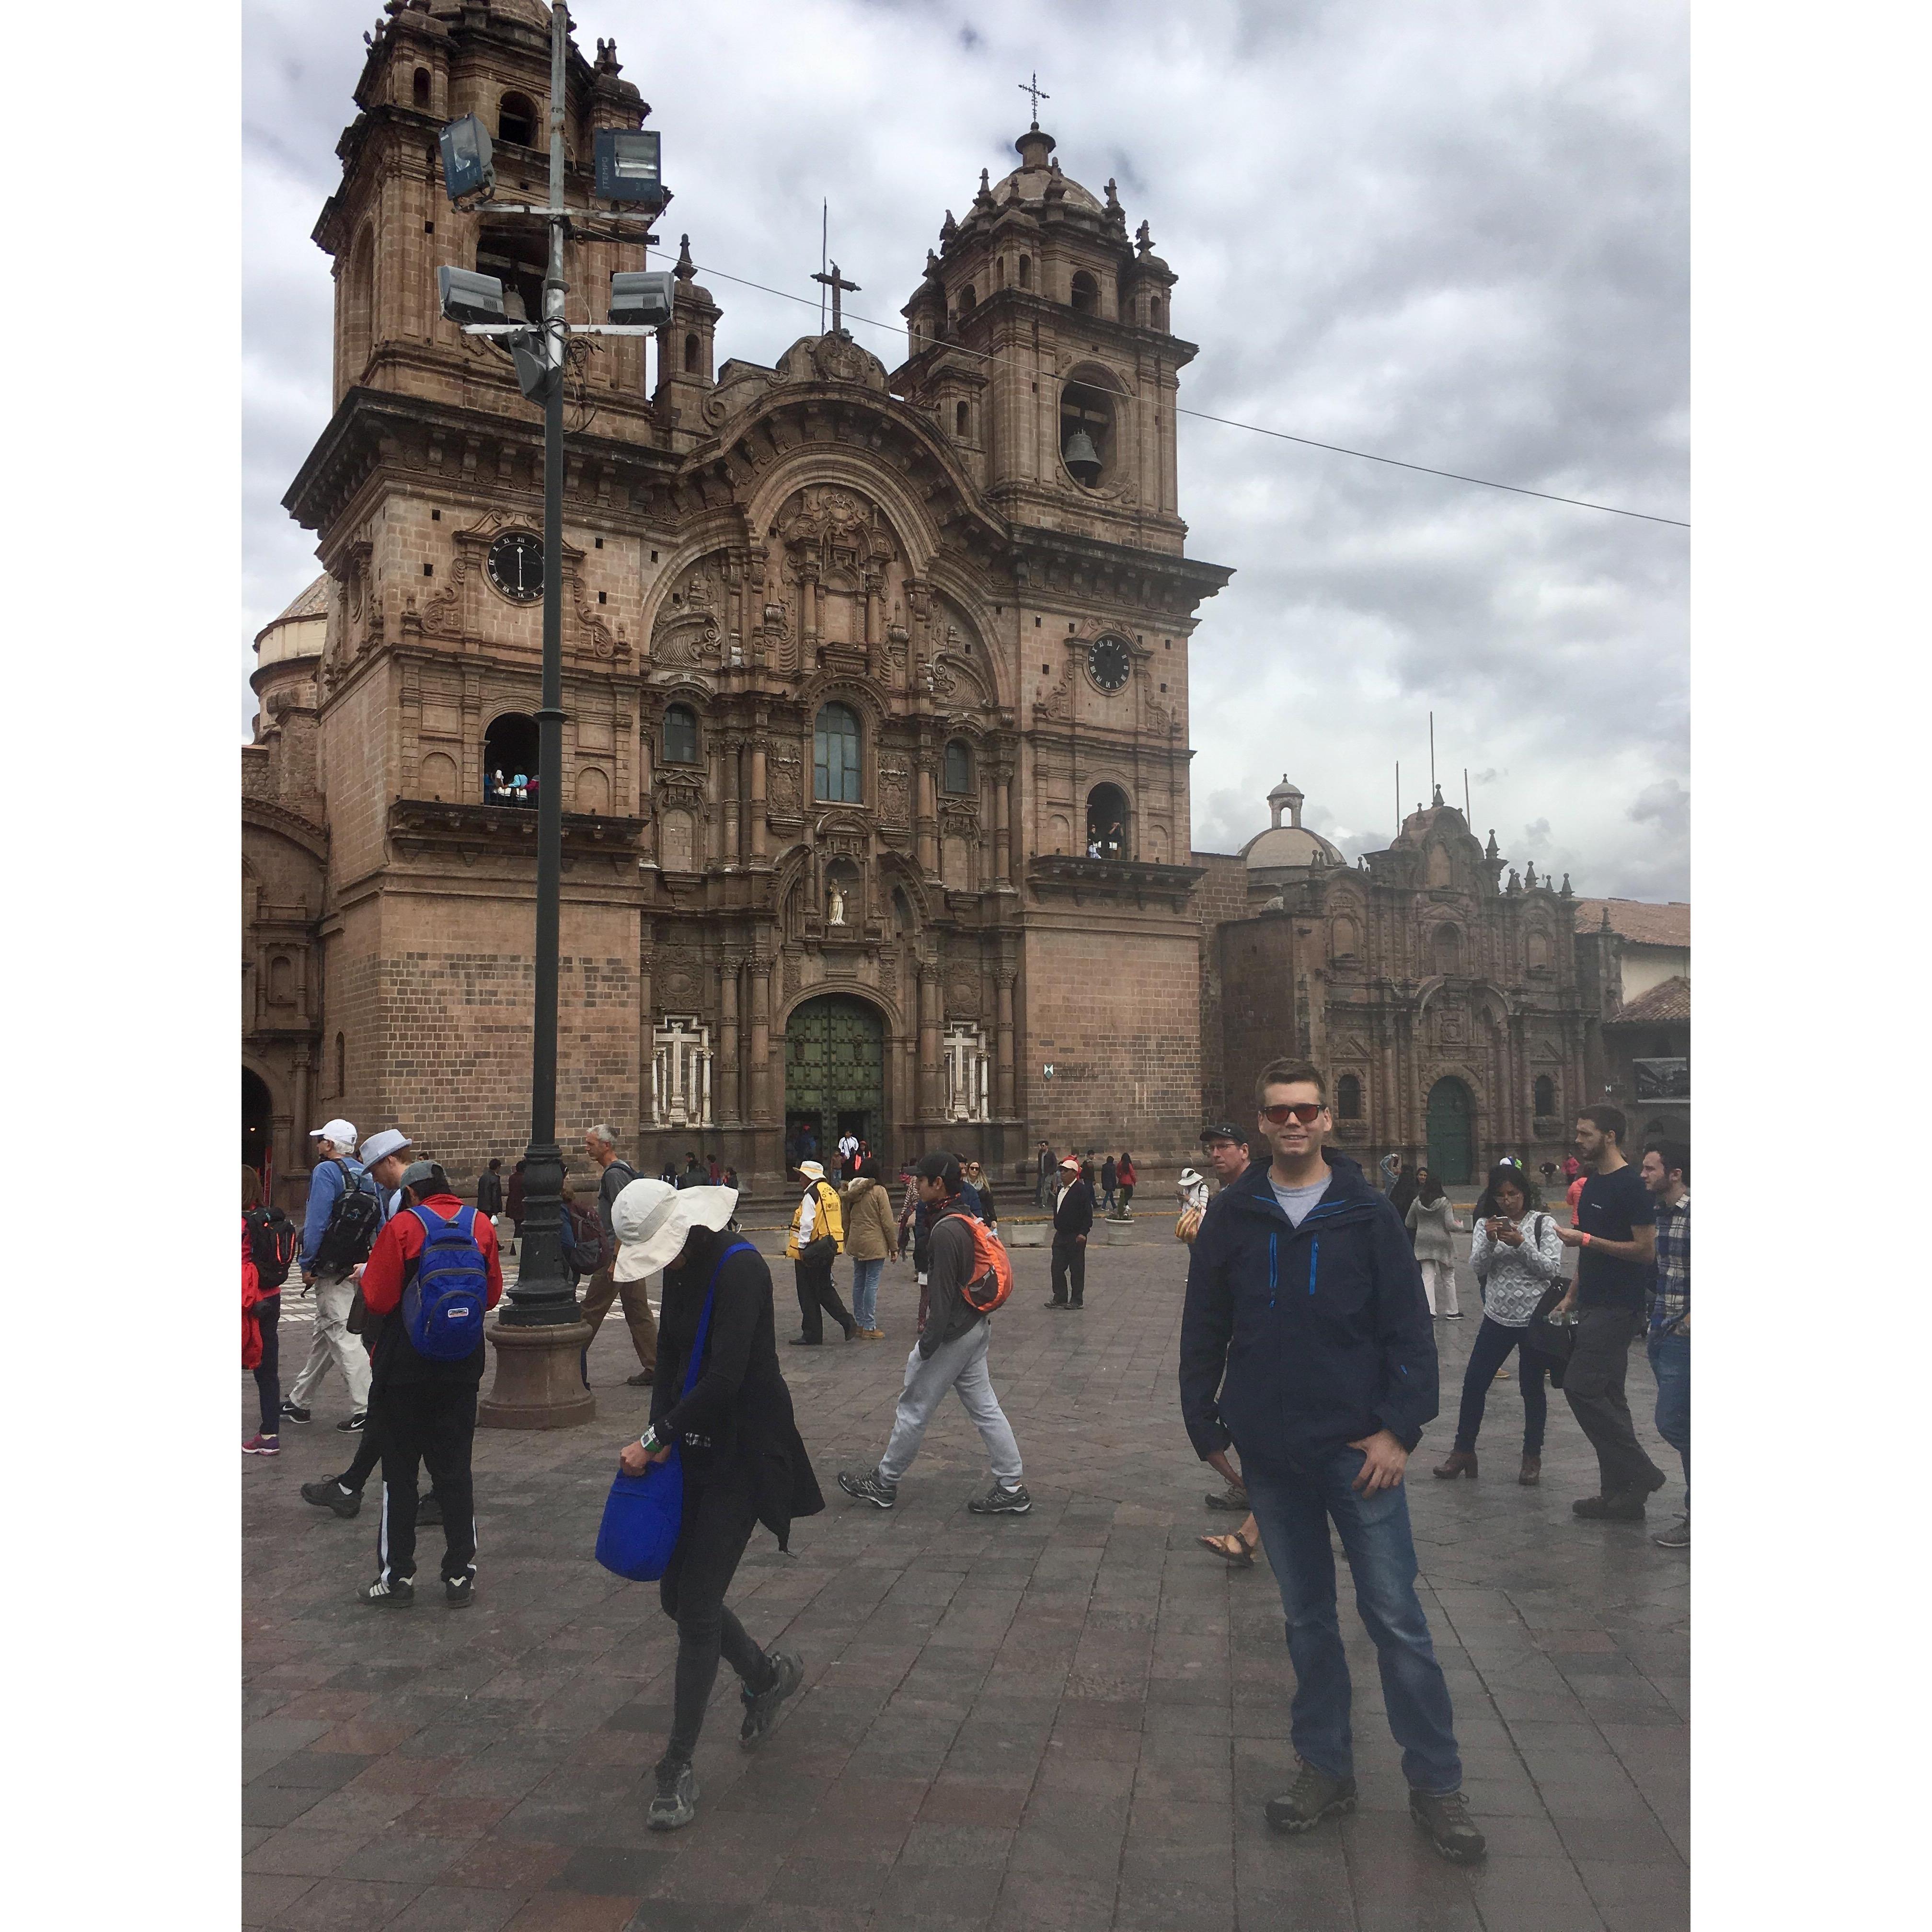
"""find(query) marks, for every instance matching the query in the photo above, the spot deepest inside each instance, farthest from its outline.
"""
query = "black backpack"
(353, 1224)
(271, 1245)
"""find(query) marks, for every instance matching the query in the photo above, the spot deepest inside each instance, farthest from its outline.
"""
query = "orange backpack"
(992, 1280)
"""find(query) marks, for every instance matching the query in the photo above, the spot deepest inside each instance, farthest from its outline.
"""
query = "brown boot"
(1532, 1471)
(1461, 1462)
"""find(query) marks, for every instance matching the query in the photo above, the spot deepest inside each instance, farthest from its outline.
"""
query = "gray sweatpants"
(960, 1366)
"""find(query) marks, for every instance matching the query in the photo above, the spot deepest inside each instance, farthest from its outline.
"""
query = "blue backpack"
(443, 1305)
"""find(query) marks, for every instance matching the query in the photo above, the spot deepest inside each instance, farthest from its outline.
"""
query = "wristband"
(1587, 1239)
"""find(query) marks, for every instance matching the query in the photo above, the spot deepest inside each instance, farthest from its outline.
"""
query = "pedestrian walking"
(269, 1243)
(871, 1234)
(1224, 1147)
(1325, 1393)
(954, 1336)
(1044, 1167)
(1665, 1172)
(614, 1175)
(981, 1189)
(693, 1175)
(1401, 1195)
(1616, 1272)
(1126, 1180)
(513, 1204)
(818, 1237)
(1072, 1223)
(435, 1259)
(343, 1212)
(739, 1452)
(1515, 1255)
(490, 1191)
(1109, 1180)
(717, 1175)
(1432, 1227)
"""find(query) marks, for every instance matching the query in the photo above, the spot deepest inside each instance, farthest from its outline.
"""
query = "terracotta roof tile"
(1640, 921)
(1670, 1000)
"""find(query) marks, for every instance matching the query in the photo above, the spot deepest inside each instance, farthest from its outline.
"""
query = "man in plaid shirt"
(1666, 1173)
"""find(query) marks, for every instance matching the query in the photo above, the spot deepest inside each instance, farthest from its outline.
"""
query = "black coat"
(1074, 1213)
(1297, 1341)
(738, 1417)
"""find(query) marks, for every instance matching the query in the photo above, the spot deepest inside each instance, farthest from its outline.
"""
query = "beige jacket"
(871, 1229)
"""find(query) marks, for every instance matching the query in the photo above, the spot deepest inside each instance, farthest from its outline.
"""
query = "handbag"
(1552, 1341)
(1189, 1226)
(643, 1514)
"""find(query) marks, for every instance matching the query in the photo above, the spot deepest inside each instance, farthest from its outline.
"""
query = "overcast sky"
(1455, 234)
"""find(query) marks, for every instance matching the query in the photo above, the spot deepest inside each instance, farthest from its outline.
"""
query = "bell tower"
(1041, 340)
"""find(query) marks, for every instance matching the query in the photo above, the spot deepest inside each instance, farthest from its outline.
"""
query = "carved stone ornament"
(894, 790)
(962, 994)
(688, 634)
(781, 782)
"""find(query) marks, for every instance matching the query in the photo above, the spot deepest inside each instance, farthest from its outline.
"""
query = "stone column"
(928, 1040)
(729, 1109)
(761, 1108)
(1003, 840)
(758, 801)
(303, 1085)
(728, 811)
(1003, 1093)
(927, 817)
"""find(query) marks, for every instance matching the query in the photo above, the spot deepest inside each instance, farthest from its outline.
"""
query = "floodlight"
(467, 168)
(643, 301)
(627, 166)
(467, 296)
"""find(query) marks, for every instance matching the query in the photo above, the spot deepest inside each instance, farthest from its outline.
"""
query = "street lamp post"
(538, 1334)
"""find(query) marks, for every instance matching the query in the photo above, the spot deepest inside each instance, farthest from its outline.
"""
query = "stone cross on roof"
(839, 286)
(1032, 86)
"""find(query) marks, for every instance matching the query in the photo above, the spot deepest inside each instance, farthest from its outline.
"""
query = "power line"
(1226, 422)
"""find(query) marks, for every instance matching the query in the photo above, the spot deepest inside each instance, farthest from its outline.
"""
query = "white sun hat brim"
(652, 1220)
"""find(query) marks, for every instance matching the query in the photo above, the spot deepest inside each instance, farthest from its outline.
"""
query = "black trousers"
(718, 1518)
(1493, 1346)
(1070, 1258)
(431, 1425)
(1593, 1384)
(268, 1370)
(817, 1298)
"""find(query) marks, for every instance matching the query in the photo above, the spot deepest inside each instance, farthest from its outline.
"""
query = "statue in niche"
(834, 912)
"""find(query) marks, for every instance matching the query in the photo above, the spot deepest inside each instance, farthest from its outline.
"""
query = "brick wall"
(1221, 896)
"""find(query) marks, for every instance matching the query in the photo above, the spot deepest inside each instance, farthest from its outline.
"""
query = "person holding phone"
(1515, 1256)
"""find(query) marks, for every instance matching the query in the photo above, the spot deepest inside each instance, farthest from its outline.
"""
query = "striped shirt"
(1672, 1304)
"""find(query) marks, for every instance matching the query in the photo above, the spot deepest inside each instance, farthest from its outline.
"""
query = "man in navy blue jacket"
(1307, 1344)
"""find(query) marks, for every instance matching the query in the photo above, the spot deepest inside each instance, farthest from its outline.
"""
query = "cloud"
(1665, 804)
(1456, 235)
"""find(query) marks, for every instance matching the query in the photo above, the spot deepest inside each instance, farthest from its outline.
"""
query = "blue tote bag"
(643, 1514)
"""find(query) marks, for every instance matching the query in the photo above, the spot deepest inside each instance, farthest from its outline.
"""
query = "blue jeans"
(1670, 1363)
(865, 1292)
(1292, 1508)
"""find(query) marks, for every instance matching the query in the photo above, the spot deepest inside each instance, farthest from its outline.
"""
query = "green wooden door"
(1452, 1152)
(835, 1067)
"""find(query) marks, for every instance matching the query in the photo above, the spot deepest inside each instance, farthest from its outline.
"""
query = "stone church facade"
(875, 761)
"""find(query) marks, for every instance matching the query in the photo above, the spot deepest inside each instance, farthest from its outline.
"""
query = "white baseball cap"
(342, 1132)
(377, 1147)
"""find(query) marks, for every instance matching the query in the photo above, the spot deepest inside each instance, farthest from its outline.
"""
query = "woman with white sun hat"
(739, 1448)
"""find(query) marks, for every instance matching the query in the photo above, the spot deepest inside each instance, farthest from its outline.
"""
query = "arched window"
(1026, 271)
(961, 415)
(1348, 1098)
(517, 255)
(510, 761)
(692, 366)
(1536, 950)
(1348, 944)
(419, 87)
(1085, 295)
(959, 766)
(516, 120)
(1109, 829)
(834, 755)
(1447, 946)
(1156, 309)
(1546, 1096)
(1086, 433)
(680, 735)
(358, 308)
(968, 301)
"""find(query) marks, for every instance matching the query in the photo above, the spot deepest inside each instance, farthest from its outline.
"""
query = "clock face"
(515, 565)
(1109, 661)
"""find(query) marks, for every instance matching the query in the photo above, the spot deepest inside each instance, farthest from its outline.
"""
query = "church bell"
(1082, 458)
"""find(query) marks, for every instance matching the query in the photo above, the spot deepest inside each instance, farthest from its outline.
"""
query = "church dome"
(1034, 173)
(1290, 846)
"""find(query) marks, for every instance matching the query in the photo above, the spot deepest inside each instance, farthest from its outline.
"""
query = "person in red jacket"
(429, 1407)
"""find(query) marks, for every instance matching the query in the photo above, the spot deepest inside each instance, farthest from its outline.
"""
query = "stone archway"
(1451, 1134)
(258, 1126)
(835, 1073)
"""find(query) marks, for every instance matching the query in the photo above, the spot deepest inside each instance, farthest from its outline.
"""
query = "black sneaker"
(865, 1486)
(676, 1802)
(398, 1594)
(1314, 1795)
(459, 1592)
(355, 1424)
(1049, 1304)
(1446, 1822)
(761, 1708)
(331, 1496)
(1677, 1537)
(1234, 1500)
(295, 1414)
(1001, 1501)
(808, 1341)
(429, 1508)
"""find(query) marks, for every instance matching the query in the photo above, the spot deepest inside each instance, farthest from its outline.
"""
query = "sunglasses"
(1306, 1112)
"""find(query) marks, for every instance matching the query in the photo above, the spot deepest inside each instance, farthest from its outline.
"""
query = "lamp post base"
(539, 1383)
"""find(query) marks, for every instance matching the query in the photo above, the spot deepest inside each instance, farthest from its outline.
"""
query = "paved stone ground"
(1067, 1720)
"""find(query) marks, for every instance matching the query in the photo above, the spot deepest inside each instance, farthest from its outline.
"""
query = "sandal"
(1233, 1549)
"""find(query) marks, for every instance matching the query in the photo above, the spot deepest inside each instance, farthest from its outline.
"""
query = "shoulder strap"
(704, 1315)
